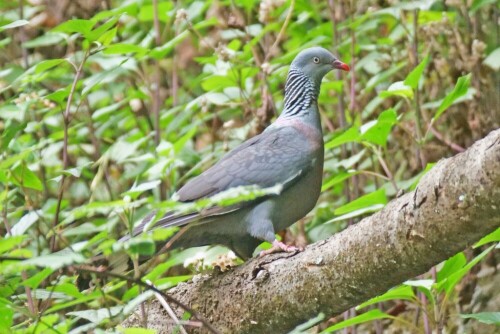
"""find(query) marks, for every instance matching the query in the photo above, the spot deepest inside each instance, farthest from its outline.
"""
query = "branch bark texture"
(454, 205)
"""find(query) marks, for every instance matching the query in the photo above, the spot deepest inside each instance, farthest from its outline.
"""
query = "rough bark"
(454, 205)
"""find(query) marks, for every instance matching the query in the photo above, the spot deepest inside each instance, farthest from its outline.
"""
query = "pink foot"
(278, 246)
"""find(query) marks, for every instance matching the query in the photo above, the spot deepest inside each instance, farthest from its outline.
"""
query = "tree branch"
(454, 205)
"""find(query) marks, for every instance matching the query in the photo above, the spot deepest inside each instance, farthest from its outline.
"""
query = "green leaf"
(97, 316)
(142, 246)
(24, 177)
(8, 243)
(356, 213)
(376, 197)
(15, 24)
(181, 143)
(450, 266)
(378, 133)
(25, 223)
(102, 29)
(137, 330)
(75, 26)
(136, 190)
(478, 4)
(451, 281)
(414, 77)
(337, 178)
(460, 89)
(490, 318)
(107, 37)
(162, 234)
(362, 318)
(6, 317)
(303, 328)
(122, 48)
(47, 64)
(400, 292)
(421, 283)
(146, 12)
(493, 60)
(350, 135)
(44, 40)
(398, 89)
(217, 83)
(492, 237)
(163, 50)
(35, 280)
(55, 260)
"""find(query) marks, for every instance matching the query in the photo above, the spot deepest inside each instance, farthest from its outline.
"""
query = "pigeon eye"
(316, 60)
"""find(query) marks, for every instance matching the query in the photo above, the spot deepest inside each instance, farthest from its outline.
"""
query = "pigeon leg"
(278, 246)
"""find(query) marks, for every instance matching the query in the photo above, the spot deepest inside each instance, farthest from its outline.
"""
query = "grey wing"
(277, 156)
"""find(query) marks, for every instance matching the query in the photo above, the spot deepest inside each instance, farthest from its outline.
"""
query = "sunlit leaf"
(359, 319)
(23, 176)
(492, 237)
(142, 246)
(399, 88)
(460, 89)
(47, 64)
(400, 292)
(414, 77)
(350, 135)
(450, 266)
(75, 26)
(448, 285)
(376, 197)
(35, 280)
(25, 223)
(378, 132)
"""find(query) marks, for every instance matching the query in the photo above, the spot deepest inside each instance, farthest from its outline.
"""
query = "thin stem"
(418, 111)
(22, 36)
(282, 30)
(66, 121)
(31, 304)
(156, 91)
(135, 281)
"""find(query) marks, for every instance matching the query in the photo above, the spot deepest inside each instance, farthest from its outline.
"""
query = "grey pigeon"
(289, 152)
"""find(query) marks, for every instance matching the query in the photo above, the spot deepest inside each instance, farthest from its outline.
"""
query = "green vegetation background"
(108, 107)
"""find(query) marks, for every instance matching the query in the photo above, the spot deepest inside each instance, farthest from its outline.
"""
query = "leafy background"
(108, 107)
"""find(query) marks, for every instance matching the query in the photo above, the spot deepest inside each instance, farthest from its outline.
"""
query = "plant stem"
(156, 92)
(66, 121)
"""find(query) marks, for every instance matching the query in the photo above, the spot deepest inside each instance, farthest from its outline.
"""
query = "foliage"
(105, 112)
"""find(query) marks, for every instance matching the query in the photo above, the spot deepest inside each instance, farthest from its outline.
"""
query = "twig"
(386, 169)
(66, 120)
(195, 314)
(167, 308)
(31, 304)
(156, 92)
(282, 31)
(418, 111)
(22, 36)
(451, 144)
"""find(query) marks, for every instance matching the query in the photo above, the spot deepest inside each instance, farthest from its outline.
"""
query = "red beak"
(340, 66)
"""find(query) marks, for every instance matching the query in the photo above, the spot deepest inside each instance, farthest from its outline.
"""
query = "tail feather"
(170, 219)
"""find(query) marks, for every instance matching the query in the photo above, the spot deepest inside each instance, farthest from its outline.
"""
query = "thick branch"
(454, 205)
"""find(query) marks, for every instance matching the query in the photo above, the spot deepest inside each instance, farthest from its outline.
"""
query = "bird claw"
(278, 247)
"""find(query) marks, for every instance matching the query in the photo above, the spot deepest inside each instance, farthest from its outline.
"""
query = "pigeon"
(289, 152)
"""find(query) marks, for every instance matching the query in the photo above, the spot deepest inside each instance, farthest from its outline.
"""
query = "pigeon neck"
(301, 95)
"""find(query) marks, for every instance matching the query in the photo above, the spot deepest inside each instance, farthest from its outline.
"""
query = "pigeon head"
(316, 62)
